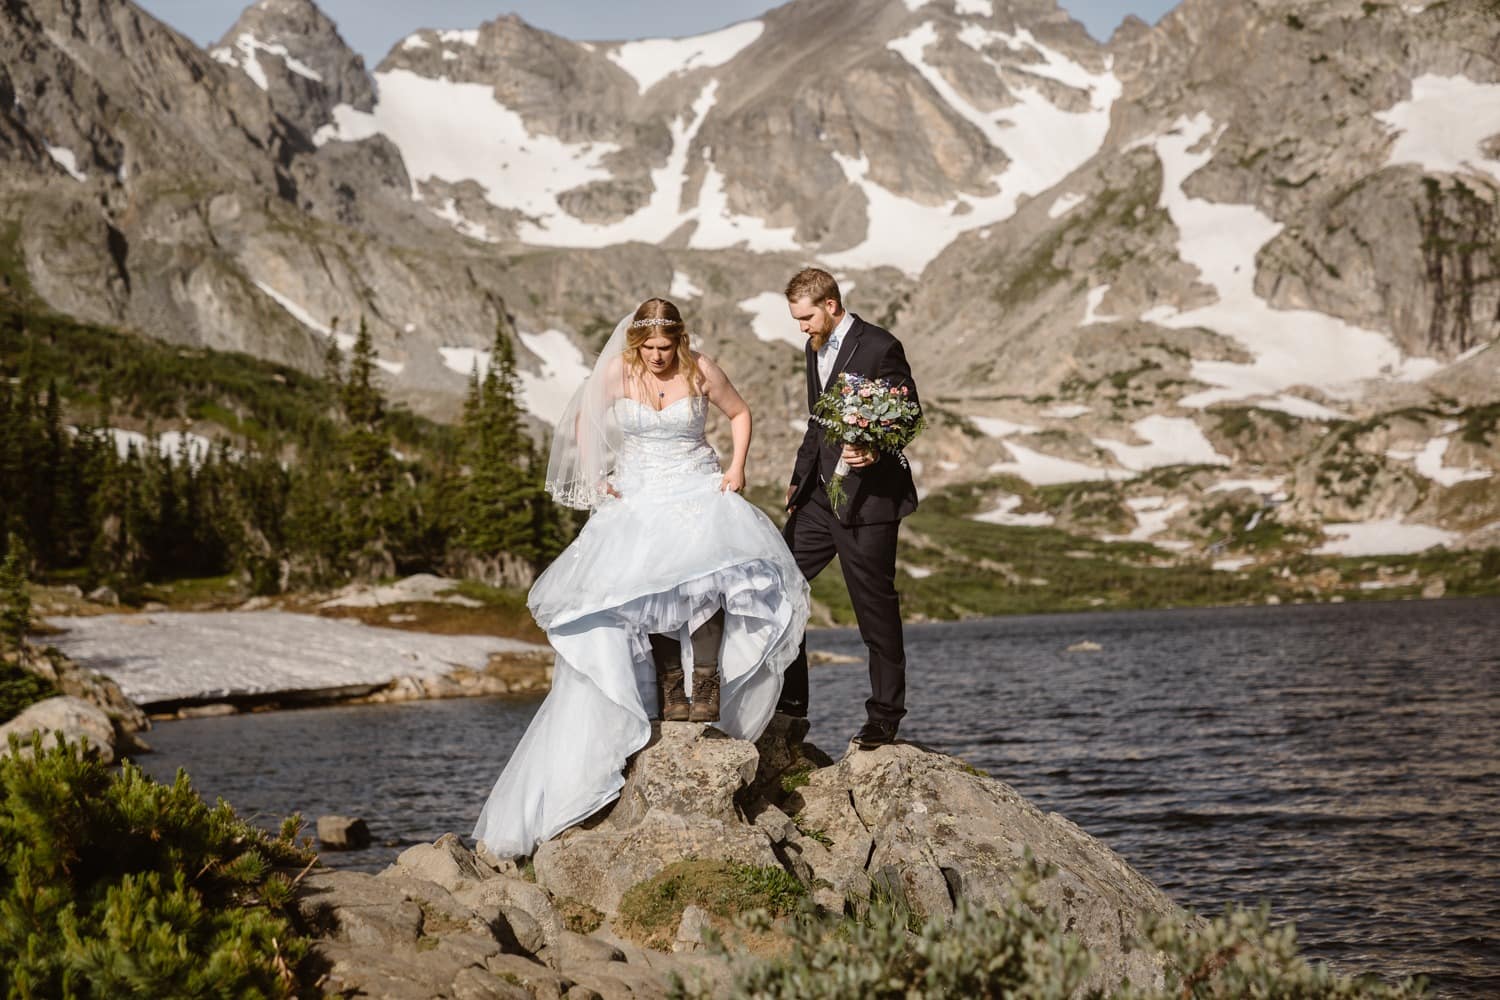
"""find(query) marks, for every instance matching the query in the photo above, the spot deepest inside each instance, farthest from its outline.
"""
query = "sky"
(371, 27)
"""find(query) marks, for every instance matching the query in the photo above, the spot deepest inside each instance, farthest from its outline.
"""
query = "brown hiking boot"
(705, 694)
(674, 702)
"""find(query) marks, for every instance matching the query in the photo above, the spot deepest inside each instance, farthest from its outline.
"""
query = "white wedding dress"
(663, 557)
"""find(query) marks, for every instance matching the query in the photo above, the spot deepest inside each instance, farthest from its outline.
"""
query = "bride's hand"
(733, 482)
(610, 489)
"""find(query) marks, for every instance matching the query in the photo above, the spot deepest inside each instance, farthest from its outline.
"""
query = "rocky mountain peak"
(294, 52)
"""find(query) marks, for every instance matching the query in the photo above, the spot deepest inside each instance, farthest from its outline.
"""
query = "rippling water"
(1340, 762)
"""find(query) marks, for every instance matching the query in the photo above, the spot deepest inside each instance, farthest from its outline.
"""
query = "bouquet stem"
(835, 490)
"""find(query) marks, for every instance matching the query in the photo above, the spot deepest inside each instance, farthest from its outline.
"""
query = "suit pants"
(867, 555)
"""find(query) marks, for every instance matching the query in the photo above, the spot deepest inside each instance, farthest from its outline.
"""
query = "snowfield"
(1290, 346)
(1170, 441)
(1440, 128)
(654, 59)
(1046, 470)
(1043, 142)
(174, 656)
(1373, 538)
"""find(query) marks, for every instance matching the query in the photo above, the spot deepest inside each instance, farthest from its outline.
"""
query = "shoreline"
(514, 669)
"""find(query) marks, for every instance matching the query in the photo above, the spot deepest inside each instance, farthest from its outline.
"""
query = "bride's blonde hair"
(660, 318)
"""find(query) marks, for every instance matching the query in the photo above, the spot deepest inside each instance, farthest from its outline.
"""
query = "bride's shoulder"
(707, 366)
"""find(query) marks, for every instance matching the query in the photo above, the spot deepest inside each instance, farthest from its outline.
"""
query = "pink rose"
(864, 423)
(850, 418)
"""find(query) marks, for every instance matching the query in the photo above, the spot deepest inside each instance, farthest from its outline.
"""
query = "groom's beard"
(818, 340)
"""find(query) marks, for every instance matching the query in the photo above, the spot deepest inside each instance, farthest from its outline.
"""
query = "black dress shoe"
(796, 709)
(875, 733)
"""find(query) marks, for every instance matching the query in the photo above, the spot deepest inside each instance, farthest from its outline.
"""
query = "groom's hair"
(814, 284)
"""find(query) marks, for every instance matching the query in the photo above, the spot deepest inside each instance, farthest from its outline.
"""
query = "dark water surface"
(1339, 762)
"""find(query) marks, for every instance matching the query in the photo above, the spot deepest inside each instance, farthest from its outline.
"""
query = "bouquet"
(867, 413)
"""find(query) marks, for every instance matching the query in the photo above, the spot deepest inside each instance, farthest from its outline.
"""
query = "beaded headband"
(655, 321)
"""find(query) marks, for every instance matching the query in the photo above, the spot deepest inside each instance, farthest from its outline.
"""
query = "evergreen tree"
(503, 507)
(371, 509)
(15, 598)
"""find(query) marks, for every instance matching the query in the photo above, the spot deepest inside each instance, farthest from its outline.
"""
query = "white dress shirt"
(830, 350)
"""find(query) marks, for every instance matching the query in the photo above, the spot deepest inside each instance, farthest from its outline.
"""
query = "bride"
(671, 551)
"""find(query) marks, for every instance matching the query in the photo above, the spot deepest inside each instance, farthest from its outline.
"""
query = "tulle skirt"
(662, 559)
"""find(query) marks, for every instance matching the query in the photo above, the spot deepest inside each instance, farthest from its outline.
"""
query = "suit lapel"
(812, 378)
(846, 349)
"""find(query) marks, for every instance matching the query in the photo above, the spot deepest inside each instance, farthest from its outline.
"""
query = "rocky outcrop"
(292, 51)
(89, 706)
(75, 719)
(919, 827)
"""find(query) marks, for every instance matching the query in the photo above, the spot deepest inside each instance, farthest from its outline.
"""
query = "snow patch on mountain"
(1429, 462)
(1043, 142)
(1290, 346)
(1067, 411)
(1442, 125)
(999, 428)
(563, 369)
(717, 225)
(449, 213)
(345, 341)
(1299, 407)
(1005, 514)
(683, 287)
(1152, 515)
(466, 360)
(771, 321)
(544, 393)
(652, 60)
(245, 51)
(1065, 203)
(1387, 537)
(1169, 441)
(459, 131)
(1047, 470)
(1091, 313)
(1271, 487)
(64, 158)
(171, 445)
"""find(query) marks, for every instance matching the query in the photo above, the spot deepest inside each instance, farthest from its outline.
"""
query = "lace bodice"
(666, 443)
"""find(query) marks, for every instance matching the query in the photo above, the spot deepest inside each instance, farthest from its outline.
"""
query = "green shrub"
(1019, 951)
(1022, 950)
(20, 688)
(1241, 955)
(651, 910)
(112, 885)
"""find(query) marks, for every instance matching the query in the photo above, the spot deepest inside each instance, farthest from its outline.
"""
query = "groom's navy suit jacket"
(877, 493)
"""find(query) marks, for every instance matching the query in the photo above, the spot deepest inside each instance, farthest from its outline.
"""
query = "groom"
(881, 493)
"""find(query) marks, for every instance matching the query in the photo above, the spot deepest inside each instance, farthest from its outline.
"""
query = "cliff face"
(1105, 261)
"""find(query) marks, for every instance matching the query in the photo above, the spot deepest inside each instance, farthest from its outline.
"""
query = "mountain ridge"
(1105, 259)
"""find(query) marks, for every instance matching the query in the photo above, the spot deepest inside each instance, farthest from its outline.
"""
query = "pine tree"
(502, 495)
(368, 491)
(15, 597)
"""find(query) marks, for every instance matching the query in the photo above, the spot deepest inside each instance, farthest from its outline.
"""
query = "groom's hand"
(859, 458)
(790, 492)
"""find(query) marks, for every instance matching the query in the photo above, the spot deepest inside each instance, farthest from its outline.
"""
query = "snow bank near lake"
(175, 656)
(1389, 537)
